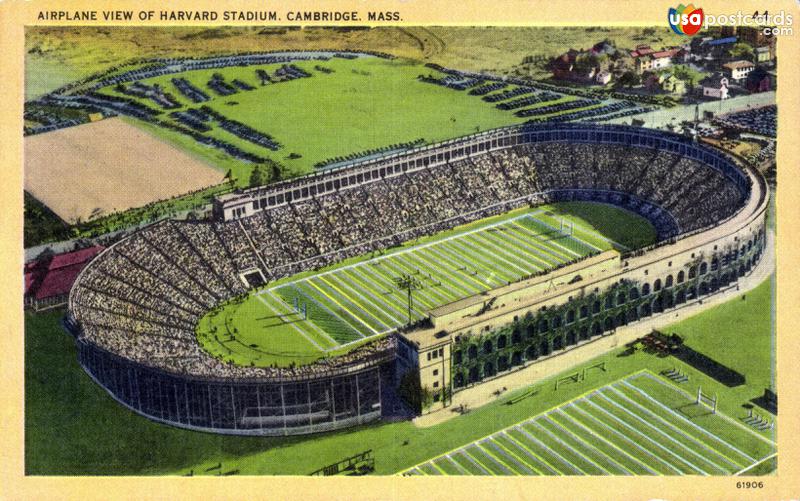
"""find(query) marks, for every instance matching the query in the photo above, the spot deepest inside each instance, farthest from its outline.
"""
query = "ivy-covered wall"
(479, 356)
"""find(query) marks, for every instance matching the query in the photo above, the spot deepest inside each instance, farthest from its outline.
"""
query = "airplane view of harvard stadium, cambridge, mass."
(399, 250)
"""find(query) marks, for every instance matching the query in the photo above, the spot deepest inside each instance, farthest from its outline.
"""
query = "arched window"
(645, 289)
(501, 342)
(681, 277)
(516, 338)
(487, 346)
(609, 301)
(703, 268)
(488, 369)
(714, 264)
(596, 307)
(457, 357)
(621, 299)
(556, 322)
(543, 325)
(531, 353)
(634, 293)
(668, 282)
(584, 311)
(472, 352)
(692, 272)
(657, 285)
(570, 316)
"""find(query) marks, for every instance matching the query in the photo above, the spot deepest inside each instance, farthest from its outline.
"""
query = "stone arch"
(558, 343)
(556, 322)
(680, 297)
(646, 289)
(621, 299)
(596, 306)
(516, 358)
(621, 319)
(488, 369)
(681, 277)
(645, 310)
(609, 301)
(692, 272)
(502, 364)
(544, 326)
(608, 323)
(544, 347)
(516, 337)
(474, 374)
(657, 285)
(703, 288)
(584, 311)
(634, 293)
(597, 329)
(570, 316)
(703, 268)
(583, 332)
(487, 346)
(668, 282)
(531, 353)
(633, 315)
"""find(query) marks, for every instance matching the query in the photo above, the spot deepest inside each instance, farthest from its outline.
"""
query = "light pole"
(408, 283)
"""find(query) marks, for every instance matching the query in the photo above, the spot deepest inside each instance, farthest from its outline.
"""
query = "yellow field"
(108, 166)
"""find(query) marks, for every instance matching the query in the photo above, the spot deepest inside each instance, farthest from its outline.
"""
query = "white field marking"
(774, 454)
(535, 248)
(396, 266)
(505, 447)
(589, 447)
(490, 446)
(589, 231)
(567, 446)
(647, 438)
(684, 419)
(345, 285)
(437, 467)
(555, 246)
(389, 300)
(280, 302)
(304, 294)
(571, 237)
(295, 327)
(458, 466)
(422, 260)
(495, 460)
(463, 453)
(471, 247)
(522, 259)
(476, 261)
(496, 444)
(466, 255)
(476, 456)
(551, 246)
(406, 264)
(443, 253)
(721, 414)
(702, 444)
(418, 247)
(338, 292)
(377, 275)
(555, 453)
(615, 446)
(531, 454)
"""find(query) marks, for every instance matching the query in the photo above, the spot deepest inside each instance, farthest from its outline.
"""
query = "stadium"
(509, 285)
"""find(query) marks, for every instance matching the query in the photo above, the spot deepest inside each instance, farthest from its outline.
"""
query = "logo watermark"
(688, 19)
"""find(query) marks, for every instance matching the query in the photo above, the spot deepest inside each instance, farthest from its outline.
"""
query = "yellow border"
(15, 14)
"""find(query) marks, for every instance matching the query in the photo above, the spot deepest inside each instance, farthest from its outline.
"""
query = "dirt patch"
(108, 166)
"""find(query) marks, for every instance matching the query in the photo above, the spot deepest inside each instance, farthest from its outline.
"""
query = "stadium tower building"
(133, 310)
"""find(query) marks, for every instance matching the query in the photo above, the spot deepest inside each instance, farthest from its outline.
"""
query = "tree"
(741, 51)
(258, 176)
(629, 79)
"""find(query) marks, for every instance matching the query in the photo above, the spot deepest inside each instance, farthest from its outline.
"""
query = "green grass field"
(348, 304)
(74, 428)
(363, 104)
(638, 425)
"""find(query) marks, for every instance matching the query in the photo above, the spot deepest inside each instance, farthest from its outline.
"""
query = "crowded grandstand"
(135, 308)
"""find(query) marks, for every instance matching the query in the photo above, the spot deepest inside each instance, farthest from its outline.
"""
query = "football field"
(325, 313)
(639, 425)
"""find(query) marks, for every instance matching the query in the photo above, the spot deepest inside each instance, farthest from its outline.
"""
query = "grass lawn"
(353, 301)
(365, 103)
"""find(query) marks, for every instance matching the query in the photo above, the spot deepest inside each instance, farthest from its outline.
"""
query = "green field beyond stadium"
(361, 104)
(300, 319)
(639, 425)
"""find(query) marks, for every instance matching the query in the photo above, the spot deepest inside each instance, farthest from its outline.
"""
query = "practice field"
(303, 318)
(639, 425)
(98, 168)
(358, 105)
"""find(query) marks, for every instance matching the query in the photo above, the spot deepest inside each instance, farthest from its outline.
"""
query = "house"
(603, 77)
(738, 70)
(49, 280)
(759, 80)
(580, 66)
(715, 86)
(763, 54)
(646, 59)
(665, 82)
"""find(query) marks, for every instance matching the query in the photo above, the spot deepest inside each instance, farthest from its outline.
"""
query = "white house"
(715, 86)
(738, 70)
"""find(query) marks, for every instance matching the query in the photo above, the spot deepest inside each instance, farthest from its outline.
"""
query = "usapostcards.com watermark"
(779, 23)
